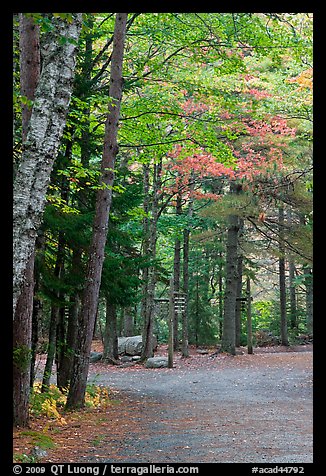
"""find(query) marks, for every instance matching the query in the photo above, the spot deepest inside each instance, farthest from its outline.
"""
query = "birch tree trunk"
(22, 328)
(52, 97)
(76, 396)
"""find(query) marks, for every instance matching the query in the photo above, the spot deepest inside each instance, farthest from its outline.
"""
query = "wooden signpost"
(245, 302)
(177, 304)
(249, 323)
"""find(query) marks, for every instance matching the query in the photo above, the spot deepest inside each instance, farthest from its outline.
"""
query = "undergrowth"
(49, 407)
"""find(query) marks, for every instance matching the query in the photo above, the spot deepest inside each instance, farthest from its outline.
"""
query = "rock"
(122, 345)
(132, 345)
(156, 362)
(95, 356)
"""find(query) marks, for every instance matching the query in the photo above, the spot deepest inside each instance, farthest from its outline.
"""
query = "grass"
(98, 440)
(40, 439)
(48, 417)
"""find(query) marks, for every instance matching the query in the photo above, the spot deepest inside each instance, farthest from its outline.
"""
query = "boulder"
(202, 351)
(132, 345)
(156, 362)
(95, 356)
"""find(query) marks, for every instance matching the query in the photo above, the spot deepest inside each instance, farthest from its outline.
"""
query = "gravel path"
(248, 408)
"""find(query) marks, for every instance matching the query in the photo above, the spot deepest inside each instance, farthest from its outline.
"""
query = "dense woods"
(158, 153)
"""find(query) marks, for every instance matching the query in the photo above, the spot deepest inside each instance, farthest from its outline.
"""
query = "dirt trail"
(248, 408)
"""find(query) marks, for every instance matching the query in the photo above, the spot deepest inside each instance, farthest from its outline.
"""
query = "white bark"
(47, 121)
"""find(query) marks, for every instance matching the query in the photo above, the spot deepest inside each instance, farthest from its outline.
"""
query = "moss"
(40, 439)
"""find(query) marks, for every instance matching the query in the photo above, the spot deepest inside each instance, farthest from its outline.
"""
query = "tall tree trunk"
(22, 326)
(128, 322)
(60, 340)
(309, 299)
(308, 283)
(87, 77)
(282, 282)
(238, 303)
(185, 288)
(66, 360)
(147, 350)
(37, 306)
(220, 296)
(292, 288)
(228, 337)
(30, 61)
(22, 353)
(249, 321)
(197, 318)
(55, 308)
(186, 241)
(76, 396)
(176, 276)
(69, 338)
(292, 294)
(46, 125)
(110, 352)
(51, 347)
(145, 241)
(36, 316)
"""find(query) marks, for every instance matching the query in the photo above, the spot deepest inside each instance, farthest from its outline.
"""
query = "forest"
(163, 187)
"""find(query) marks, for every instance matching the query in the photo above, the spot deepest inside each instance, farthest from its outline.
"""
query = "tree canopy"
(208, 120)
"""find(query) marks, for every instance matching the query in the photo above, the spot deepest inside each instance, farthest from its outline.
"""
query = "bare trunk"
(249, 321)
(176, 276)
(282, 283)
(65, 366)
(231, 281)
(29, 65)
(228, 337)
(128, 322)
(186, 238)
(37, 308)
(309, 299)
(147, 350)
(54, 318)
(51, 347)
(76, 394)
(110, 352)
(292, 293)
(22, 327)
(46, 125)
(238, 303)
(22, 330)
(220, 296)
(185, 336)
(36, 316)
(145, 242)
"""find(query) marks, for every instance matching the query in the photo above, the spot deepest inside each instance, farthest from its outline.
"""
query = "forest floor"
(207, 409)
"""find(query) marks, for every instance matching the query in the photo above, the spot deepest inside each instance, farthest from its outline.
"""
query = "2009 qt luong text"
(57, 469)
